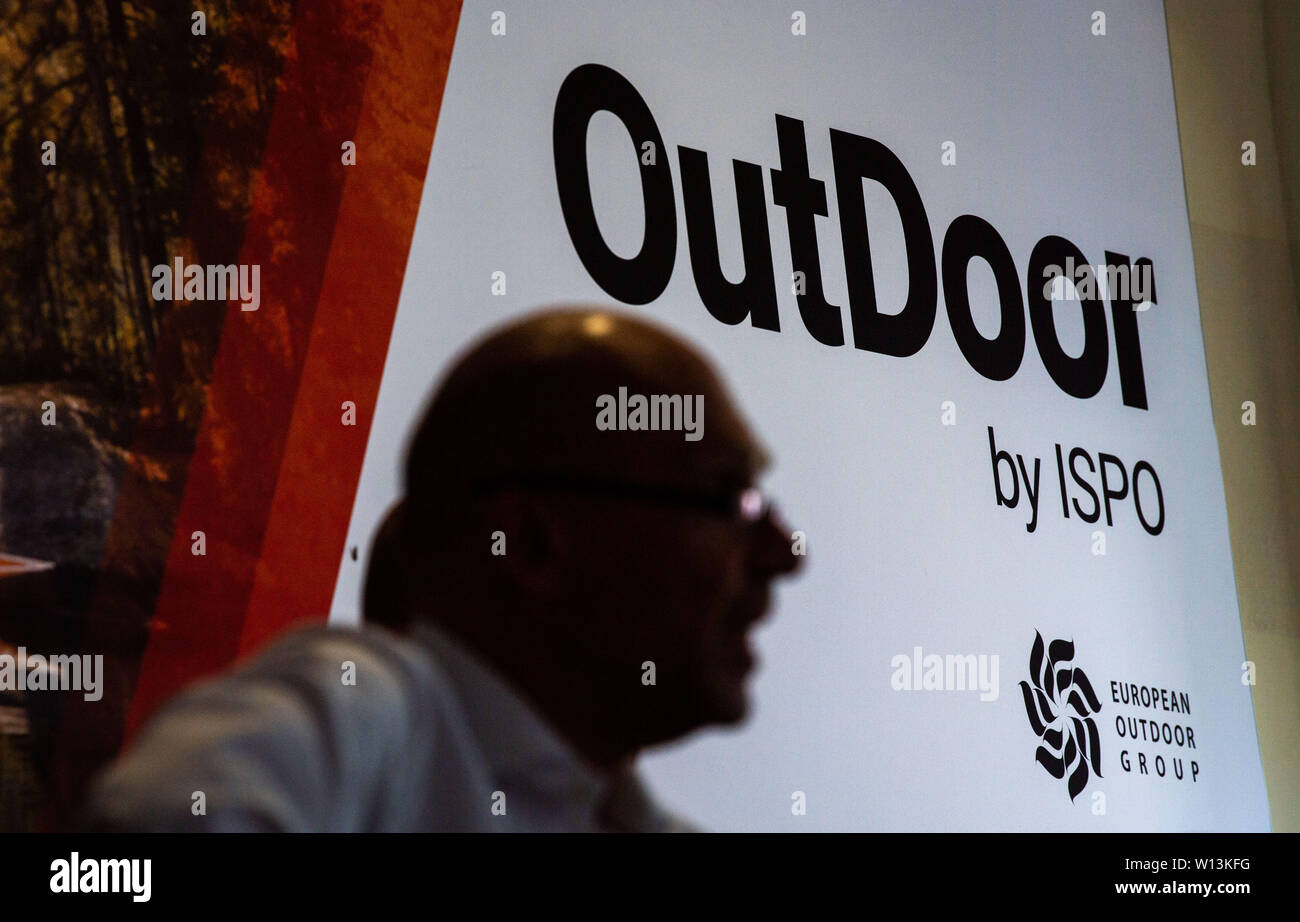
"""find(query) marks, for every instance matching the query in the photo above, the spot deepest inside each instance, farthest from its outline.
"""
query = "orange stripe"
(254, 468)
(354, 318)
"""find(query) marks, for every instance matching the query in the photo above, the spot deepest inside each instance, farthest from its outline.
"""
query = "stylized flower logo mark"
(1060, 705)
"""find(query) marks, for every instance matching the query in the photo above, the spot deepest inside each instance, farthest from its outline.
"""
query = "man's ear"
(531, 544)
(385, 587)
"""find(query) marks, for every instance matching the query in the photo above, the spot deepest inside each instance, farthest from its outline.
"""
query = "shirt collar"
(518, 742)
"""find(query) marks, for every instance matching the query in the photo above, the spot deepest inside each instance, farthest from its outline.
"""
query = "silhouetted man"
(569, 579)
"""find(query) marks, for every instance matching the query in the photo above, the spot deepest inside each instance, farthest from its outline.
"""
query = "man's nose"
(777, 550)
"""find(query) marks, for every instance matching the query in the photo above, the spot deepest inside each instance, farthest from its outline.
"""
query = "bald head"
(524, 400)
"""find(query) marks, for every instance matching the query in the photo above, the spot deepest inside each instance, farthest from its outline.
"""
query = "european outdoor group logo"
(1061, 704)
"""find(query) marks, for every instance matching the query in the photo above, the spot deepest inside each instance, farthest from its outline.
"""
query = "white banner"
(1019, 610)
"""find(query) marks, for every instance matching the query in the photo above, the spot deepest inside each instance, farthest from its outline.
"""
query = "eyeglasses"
(745, 505)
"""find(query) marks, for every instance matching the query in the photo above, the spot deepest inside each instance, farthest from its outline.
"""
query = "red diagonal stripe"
(249, 430)
(354, 318)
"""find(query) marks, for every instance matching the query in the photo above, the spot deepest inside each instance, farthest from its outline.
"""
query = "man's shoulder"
(343, 652)
(316, 635)
(317, 730)
(348, 676)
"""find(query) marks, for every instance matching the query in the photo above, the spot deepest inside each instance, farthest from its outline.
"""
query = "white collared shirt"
(337, 729)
